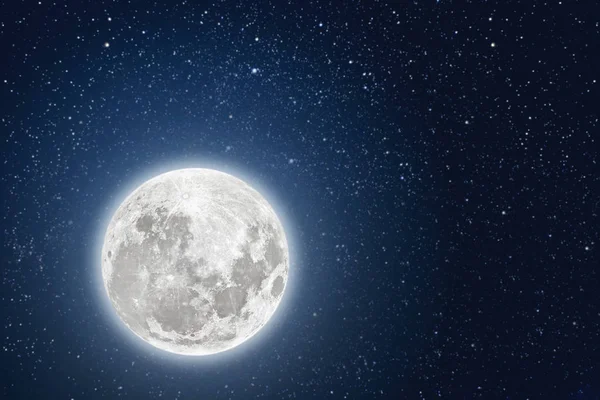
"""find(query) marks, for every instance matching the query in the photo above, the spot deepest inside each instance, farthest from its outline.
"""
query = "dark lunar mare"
(170, 302)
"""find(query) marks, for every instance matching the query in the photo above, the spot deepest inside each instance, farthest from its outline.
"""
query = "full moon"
(195, 261)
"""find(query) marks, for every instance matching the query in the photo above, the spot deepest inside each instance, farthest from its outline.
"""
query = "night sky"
(435, 162)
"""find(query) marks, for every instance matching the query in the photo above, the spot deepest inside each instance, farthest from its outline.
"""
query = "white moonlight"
(195, 261)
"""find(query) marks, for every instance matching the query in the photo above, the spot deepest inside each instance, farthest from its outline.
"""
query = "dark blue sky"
(437, 163)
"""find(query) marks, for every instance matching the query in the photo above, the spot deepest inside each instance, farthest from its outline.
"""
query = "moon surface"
(195, 261)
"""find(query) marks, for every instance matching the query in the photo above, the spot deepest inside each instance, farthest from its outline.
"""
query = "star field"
(437, 161)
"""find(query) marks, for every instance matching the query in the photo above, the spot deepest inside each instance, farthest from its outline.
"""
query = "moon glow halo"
(195, 261)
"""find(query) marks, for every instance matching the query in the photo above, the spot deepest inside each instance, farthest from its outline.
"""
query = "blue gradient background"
(441, 193)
